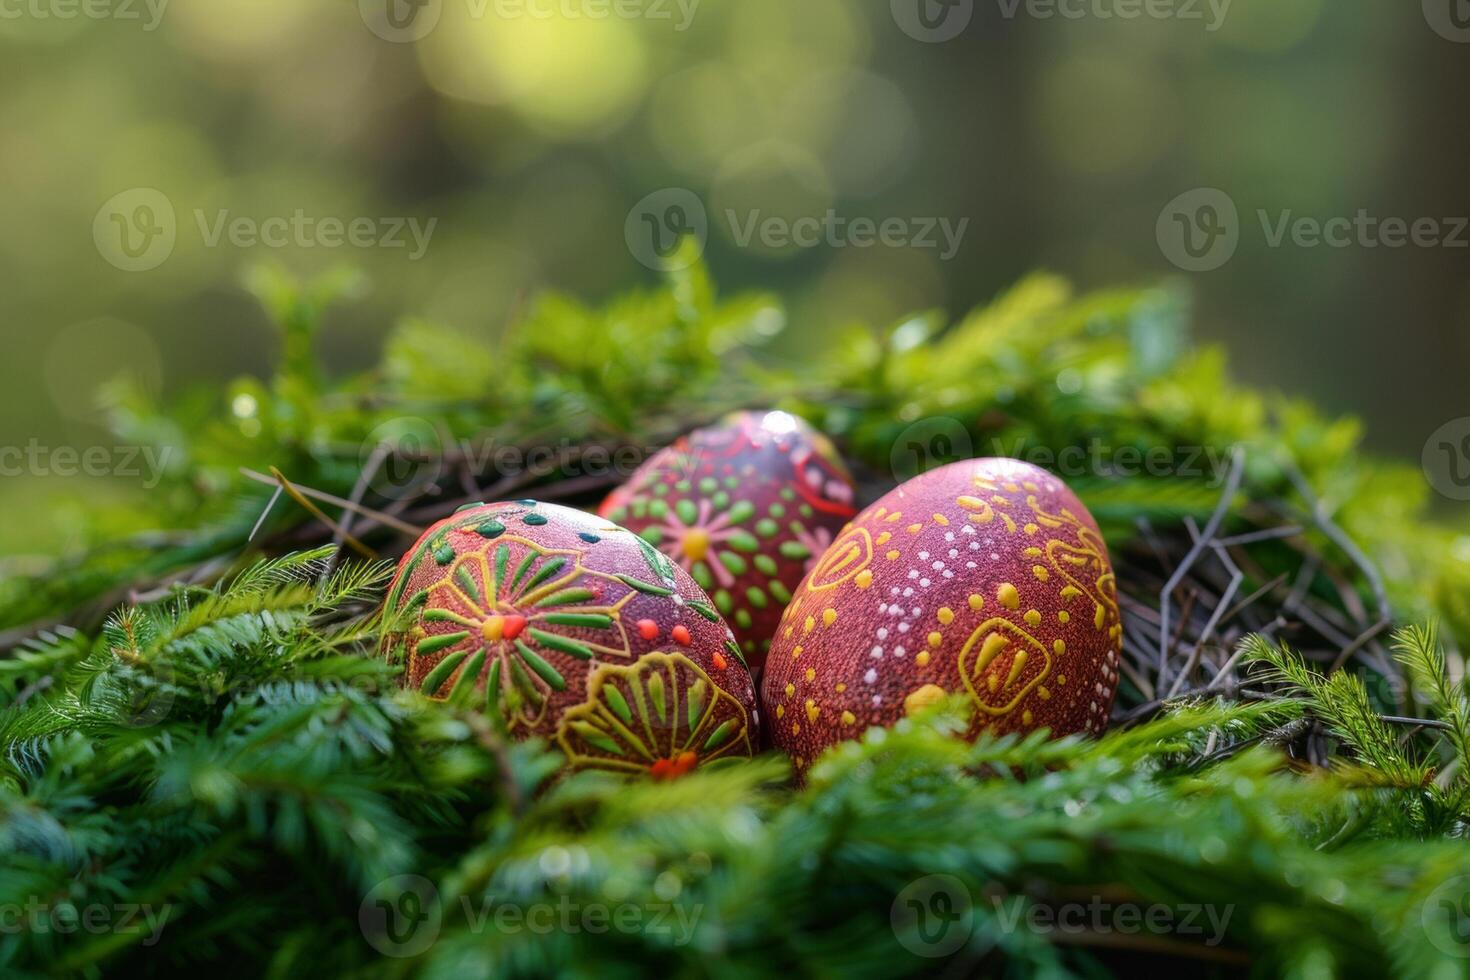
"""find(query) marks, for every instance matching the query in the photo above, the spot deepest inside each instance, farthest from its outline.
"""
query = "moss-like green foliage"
(237, 762)
(200, 726)
(1104, 383)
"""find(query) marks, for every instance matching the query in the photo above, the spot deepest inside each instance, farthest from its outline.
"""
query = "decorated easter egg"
(746, 507)
(985, 578)
(560, 624)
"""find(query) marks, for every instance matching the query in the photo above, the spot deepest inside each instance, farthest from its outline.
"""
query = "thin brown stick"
(1265, 534)
(369, 470)
(1254, 597)
(1212, 527)
(1363, 640)
(387, 520)
(1341, 539)
(320, 515)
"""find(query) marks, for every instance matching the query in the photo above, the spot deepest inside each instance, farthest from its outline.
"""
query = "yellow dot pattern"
(1062, 565)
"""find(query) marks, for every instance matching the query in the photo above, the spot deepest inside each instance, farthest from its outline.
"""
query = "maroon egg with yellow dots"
(985, 578)
(561, 624)
(746, 507)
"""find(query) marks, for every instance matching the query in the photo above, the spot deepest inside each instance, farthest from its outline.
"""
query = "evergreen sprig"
(198, 723)
(1425, 756)
(1039, 371)
(267, 812)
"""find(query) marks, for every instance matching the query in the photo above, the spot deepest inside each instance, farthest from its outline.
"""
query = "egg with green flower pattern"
(559, 624)
(745, 506)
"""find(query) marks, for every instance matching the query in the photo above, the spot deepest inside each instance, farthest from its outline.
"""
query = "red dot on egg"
(680, 634)
(720, 662)
(665, 769)
(648, 629)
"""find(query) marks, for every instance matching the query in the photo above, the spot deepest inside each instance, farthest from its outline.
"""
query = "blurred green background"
(528, 129)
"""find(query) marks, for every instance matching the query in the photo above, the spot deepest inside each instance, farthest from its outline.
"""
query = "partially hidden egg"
(746, 507)
(563, 625)
(986, 578)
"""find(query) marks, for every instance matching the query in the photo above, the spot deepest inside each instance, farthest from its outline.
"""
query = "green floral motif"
(509, 610)
(662, 715)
